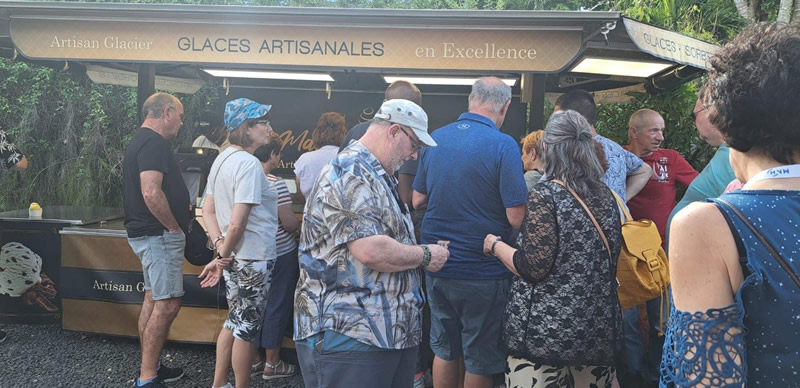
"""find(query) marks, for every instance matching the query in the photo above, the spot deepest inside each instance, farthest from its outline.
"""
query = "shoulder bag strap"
(589, 213)
(764, 242)
(220, 167)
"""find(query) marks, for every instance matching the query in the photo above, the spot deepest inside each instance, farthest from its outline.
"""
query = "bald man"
(670, 169)
(654, 202)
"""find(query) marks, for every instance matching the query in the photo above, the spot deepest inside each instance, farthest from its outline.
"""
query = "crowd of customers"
(516, 253)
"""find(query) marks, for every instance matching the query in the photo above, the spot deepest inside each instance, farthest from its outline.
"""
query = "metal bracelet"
(498, 239)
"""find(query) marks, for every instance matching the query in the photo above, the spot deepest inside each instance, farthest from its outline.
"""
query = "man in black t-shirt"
(156, 213)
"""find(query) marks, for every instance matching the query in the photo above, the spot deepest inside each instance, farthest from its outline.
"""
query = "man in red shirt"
(640, 362)
(657, 198)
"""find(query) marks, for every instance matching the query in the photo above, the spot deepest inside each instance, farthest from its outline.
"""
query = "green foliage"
(711, 20)
(74, 134)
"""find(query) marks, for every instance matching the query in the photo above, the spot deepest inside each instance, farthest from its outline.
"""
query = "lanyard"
(780, 172)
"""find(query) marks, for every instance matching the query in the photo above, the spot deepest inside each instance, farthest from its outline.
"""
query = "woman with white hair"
(241, 215)
(563, 323)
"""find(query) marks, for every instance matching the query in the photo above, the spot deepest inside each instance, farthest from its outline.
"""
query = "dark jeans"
(333, 369)
(280, 301)
(640, 366)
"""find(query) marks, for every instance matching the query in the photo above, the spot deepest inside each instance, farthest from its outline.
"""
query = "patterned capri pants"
(247, 283)
(521, 373)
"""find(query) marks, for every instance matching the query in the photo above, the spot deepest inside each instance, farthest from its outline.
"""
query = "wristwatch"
(232, 255)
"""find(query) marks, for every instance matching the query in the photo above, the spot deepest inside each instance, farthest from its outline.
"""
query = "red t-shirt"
(657, 198)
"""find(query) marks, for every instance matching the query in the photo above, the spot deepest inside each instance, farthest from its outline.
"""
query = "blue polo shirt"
(470, 178)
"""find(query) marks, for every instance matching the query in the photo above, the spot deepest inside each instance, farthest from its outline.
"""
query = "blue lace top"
(756, 340)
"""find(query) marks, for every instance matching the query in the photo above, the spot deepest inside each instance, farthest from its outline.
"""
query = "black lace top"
(564, 309)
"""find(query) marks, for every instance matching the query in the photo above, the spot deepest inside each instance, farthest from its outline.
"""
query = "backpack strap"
(622, 206)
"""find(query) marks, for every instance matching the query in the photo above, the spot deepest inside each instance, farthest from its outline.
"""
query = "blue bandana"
(241, 109)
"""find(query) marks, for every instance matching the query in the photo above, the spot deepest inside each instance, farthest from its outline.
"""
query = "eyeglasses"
(415, 145)
(693, 116)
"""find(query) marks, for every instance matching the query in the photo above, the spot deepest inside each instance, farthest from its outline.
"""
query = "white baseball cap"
(407, 113)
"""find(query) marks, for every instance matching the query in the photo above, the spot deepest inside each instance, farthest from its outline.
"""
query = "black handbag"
(196, 251)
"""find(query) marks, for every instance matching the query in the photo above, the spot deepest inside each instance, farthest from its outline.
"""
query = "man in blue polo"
(472, 184)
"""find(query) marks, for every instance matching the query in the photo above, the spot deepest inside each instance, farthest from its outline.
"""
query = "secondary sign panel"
(669, 45)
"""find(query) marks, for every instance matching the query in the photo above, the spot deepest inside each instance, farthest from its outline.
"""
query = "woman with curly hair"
(533, 157)
(327, 137)
(734, 260)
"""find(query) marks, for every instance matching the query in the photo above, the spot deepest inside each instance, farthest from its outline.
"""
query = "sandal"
(256, 369)
(279, 370)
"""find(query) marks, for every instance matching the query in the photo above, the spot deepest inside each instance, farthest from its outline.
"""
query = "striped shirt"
(284, 241)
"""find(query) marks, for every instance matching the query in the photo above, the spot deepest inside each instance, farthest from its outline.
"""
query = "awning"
(545, 51)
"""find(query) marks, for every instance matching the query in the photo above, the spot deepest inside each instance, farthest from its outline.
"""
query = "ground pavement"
(43, 355)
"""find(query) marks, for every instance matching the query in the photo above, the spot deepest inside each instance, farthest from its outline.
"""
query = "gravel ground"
(43, 355)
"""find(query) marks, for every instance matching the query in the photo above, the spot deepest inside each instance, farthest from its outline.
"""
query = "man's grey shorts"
(466, 321)
(162, 263)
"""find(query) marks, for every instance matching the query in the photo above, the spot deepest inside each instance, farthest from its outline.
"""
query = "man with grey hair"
(358, 303)
(472, 185)
(156, 203)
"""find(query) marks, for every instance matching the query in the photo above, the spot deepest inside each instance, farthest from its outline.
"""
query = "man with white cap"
(472, 185)
(358, 304)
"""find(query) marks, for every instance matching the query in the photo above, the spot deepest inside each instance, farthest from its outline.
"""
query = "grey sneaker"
(3, 336)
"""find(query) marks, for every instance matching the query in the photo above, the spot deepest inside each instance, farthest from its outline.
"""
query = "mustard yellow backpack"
(642, 268)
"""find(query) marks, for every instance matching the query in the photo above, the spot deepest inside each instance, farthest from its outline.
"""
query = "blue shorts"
(467, 321)
(162, 263)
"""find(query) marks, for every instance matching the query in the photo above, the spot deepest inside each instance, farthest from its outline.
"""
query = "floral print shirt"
(9, 154)
(355, 198)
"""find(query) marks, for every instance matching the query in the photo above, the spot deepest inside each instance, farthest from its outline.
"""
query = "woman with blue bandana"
(240, 209)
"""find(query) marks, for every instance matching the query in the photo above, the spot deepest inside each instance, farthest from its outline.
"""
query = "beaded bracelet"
(426, 256)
